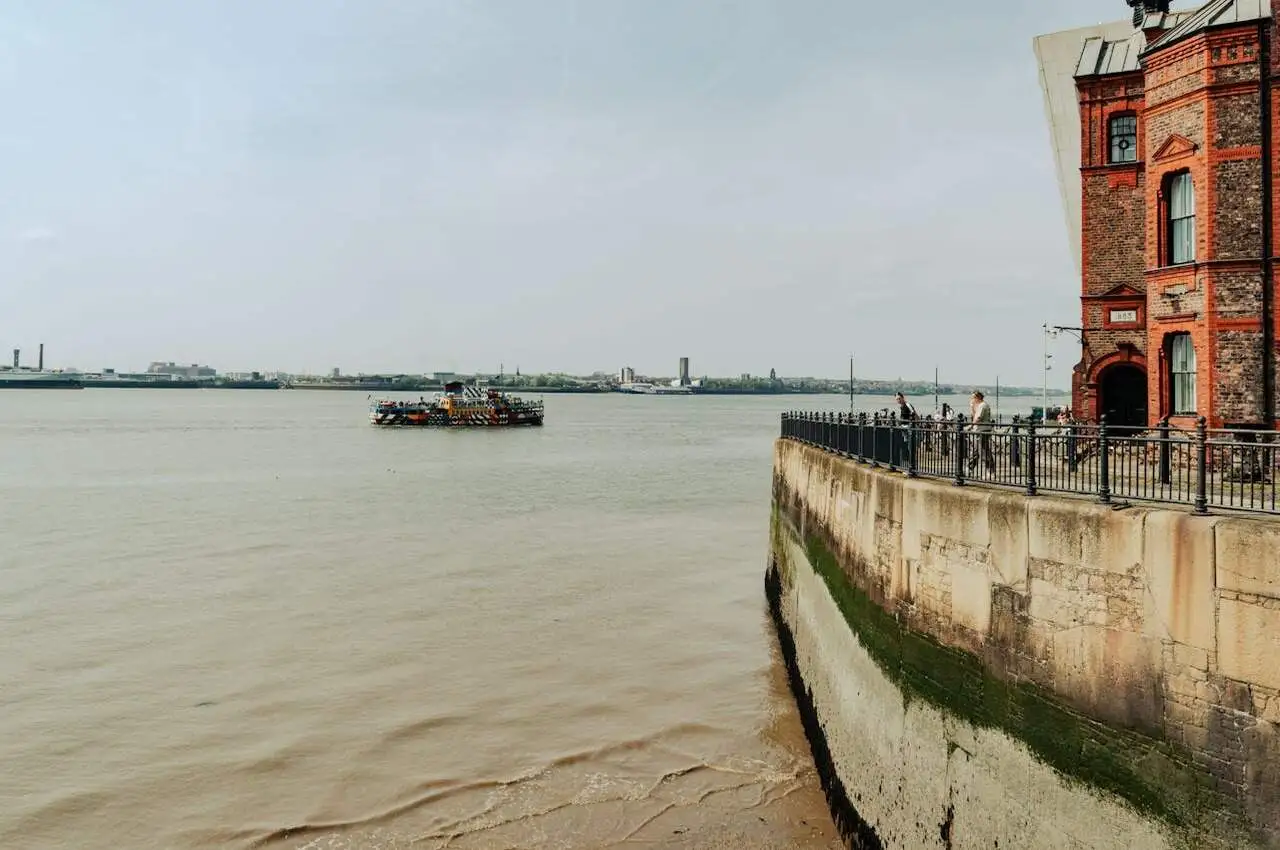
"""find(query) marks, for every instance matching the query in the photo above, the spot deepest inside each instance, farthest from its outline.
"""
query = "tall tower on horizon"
(684, 371)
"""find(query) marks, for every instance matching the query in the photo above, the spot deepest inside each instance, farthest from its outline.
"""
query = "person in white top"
(983, 424)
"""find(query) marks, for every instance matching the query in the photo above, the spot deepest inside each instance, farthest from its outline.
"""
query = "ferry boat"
(457, 406)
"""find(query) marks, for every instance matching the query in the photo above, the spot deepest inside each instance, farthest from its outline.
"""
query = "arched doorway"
(1122, 395)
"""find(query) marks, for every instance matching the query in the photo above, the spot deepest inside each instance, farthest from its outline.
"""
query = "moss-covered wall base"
(977, 669)
(903, 773)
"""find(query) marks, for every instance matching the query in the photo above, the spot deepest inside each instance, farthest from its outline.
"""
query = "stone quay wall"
(978, 668)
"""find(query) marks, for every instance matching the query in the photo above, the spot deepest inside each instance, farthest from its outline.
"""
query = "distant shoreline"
(432, 388)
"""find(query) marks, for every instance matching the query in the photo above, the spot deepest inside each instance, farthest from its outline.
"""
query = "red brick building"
(1178, 180)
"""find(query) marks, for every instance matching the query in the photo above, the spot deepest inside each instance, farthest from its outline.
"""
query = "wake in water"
(649, 792)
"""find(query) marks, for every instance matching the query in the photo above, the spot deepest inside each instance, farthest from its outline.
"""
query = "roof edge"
(1202, 20)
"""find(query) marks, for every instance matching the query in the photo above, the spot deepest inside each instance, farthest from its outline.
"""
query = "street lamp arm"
(1078, 333)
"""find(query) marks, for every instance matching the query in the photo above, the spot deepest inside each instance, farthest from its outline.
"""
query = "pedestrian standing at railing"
(1015, 443)
(945, 417)
(982, 424)
(907, 417)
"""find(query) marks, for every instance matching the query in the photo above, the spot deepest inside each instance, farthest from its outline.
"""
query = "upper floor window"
(1124, 138)
(1182, 218)
(1182, 373)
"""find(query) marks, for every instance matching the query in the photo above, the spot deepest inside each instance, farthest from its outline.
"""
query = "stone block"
(1248, 556)
(914, 532)
(1053, 531)
(953, 513)
(1007, 521)
(1249, 642)
(971, 598)
(1112, 674)
(1049, 607)
(1190, 657)
(1179, 567)
(1111, 541)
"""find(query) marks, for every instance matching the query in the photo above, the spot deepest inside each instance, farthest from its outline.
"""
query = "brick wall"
(1114, 220)
(1237, 295)
(1237, 391)
(1235, 119)
(1237, 210)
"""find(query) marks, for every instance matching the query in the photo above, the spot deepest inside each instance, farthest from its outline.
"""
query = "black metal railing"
(1204, 467)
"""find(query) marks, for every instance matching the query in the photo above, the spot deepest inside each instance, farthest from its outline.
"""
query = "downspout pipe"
(1265, 28)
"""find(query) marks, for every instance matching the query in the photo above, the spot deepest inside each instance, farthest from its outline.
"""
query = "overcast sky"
(556, 185)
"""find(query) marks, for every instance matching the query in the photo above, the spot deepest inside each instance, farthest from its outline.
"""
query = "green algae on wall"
(1153, 775)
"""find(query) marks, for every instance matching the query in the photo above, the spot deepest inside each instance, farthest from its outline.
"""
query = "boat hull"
(52, 384)
(396, 419)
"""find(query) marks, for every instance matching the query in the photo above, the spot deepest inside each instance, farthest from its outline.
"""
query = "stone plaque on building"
(1122, 317)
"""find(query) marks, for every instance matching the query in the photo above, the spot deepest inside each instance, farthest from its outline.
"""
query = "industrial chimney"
(40, 362)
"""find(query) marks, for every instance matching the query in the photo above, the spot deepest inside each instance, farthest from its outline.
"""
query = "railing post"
(1104, 462)
(1202, 465)
(875, 440)
(1166, 453)
(962, 449)
(912, 442)
(862, 433)
(894, 442)
(1031, 456)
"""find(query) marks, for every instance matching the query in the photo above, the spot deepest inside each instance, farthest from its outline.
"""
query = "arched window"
(1181, 204)
(1182, 374)
(1123, 135)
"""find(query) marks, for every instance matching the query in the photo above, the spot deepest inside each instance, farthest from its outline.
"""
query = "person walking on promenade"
(946, 418)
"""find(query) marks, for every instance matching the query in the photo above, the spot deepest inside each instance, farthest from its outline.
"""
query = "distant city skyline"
(400, 186)
(203, 369)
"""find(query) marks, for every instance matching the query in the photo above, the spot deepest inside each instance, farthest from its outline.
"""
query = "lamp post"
(1044, 387)
(1052, 331)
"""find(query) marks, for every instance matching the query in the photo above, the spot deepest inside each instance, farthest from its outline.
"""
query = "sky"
(561, 185)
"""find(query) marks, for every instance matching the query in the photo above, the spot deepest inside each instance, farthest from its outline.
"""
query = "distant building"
(173, 370)
(627, 375)
(1164, 131)
(684, 372)
(445, 377)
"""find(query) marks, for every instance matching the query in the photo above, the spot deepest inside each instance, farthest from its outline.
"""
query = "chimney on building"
(40, 362)
(17, 354)
(1150, 16)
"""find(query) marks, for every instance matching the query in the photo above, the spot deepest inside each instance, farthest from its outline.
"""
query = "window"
(1124, 138)
(1182, 218)
(1182, 368)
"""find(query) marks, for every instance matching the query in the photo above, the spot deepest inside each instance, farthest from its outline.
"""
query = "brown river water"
(251, 620)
